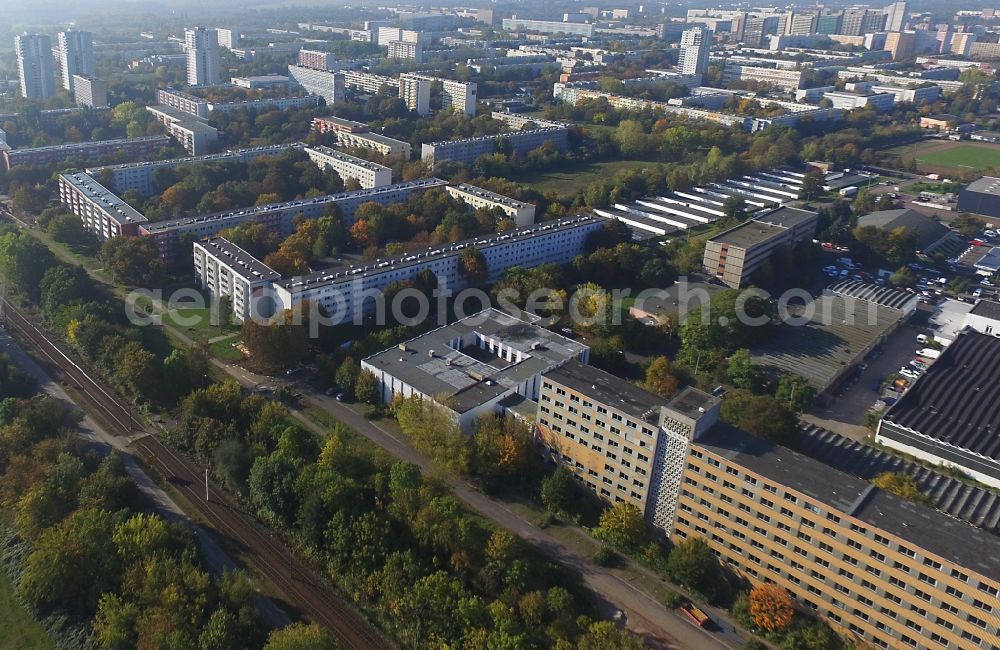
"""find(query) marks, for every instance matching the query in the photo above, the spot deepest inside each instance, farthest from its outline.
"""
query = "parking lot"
(845, 414)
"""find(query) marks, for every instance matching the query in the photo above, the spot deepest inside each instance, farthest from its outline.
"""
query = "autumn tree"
(692, 564)
(622, 525)
(472, 266)
(900, 484)
(761, 415)
(367, 389)
(659, 380)
(771, 607)
(278, 343)
(133, 260)
(501, 449)
(301, 636)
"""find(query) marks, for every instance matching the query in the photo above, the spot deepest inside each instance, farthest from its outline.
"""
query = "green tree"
(659, 380)
(133, 260)
(812, 185)
(603, 635)
(741, 371)
(760, 415)
(472, 266)
(623, 526)
(969, 225)
(347, 374)
(277, 344)
(367, 389)
(301, 636)
(24, 261)
(632, 138)
(903, 277)
(558, 491)
(692, 564)
(795, 391)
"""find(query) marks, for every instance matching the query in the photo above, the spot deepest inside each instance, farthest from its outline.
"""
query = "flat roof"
(955, 401)
(472, 376)
(376, 137)
(236, 154)
(195, 126)
(90, 145)
(929, 529)
(749, 233)
(119, 210)
(986, 185)
(836, 331)
(489, 196)
(233, 255)
(339, 120)
(990, 261)
(351, 273)
(609, 389)
(175, 113)
(878, 294)
(347, 158)
(986, 309)
(274, 78)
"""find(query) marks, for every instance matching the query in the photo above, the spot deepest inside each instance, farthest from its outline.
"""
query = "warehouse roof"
(955, 402)
(925, 229)
(986, 309)
(880, 295)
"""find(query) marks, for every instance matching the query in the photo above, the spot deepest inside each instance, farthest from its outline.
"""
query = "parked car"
(921, 338)
(909, 373)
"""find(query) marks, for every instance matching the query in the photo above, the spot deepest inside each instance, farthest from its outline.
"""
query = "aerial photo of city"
(499, 325)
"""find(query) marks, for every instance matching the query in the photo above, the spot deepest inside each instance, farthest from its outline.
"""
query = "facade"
(475, 364)
(368, 174)
(466, 151)
(328, 85)
(695, 45)
(917, 95)
(86, 151)
(984, 317)
(337, 125)
(548, 27)
(263, 81)
(522, 213)
(228, 38)
(90, 91)
(224, 269)
(376, 141)
(734, 254)
(100, 210)
(367, 82)
(202, 108)
(197, 138)
(406, 50)
(202, 49)
(884, 571)
(415, 91)
(317, 60)
(786, 79)
(900, 44)
(981, 197)
(622, 442)
(850, 101)
(949, 416)
(76, 56)
(895, 17)
(34, 65)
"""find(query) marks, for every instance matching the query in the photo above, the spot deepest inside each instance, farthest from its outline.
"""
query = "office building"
(883, 571)
(474, 364)
(326, 84)
(90, 91)
(386, 35)
(777, 77)
(367, 174)
(34, 65)
(516, 24)
(317, 60)
(76, 55)
(522, 214)
(895, 17)
(467, 150)
(405, 50)
(202, 49)
(734, 254)
(415, 91)
(695, 45)
(86, 151)
(620, 441)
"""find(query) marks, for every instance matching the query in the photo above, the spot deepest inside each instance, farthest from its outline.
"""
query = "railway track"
(269, 557)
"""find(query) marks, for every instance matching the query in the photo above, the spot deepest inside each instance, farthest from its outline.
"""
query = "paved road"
(660, 627)
(92, 431)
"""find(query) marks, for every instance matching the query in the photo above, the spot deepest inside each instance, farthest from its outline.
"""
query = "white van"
(921, 338)
(928, 353)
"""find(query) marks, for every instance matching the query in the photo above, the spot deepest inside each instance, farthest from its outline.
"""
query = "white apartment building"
(383, 144)
(197, 138)
(522, 213)
(90, 92)
(786, 79)
(34, 65)
(695, 44)
(224, 269)
(327, 84)
(405, 50)
(202, 49)
(368, 174)
(415, 91)
(386, 35)
(849, 101)
(228, 38)
(367, 82)
(100, 210)
(516, 24)
(914, 95)
(467, 150)
(76, 55)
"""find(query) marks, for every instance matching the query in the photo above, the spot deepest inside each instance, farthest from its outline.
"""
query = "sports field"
(567, 181)
(950, 157)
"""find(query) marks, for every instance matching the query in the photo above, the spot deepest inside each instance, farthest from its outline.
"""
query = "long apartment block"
(367, 173)
(325, 83)
(350, 291)
(459, 96)
(467, 150)
(85, 151)
(201, 108)
(885, 571)
(522, 213)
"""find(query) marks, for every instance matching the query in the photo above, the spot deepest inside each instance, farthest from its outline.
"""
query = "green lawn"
(224, 349)
(196, 322)
(567, 181)
(966, 156)
(20, 631)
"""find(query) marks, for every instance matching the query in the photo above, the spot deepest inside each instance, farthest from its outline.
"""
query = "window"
(940, 622)
(881, 539)
(923, 595)
(767, 503)
(955, 573)
(907, 552)
(992, 591)
(878, 556)
(786, 512)
(770, 488)
(931, 563)
(919, 610)
(894, 598)
(923, 577)
(975, 620)
(981, 605)
(969, 636)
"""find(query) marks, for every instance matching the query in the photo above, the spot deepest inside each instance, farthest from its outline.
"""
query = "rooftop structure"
(472, 364)
(929, 233)
(981, 197)
(949, 416)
